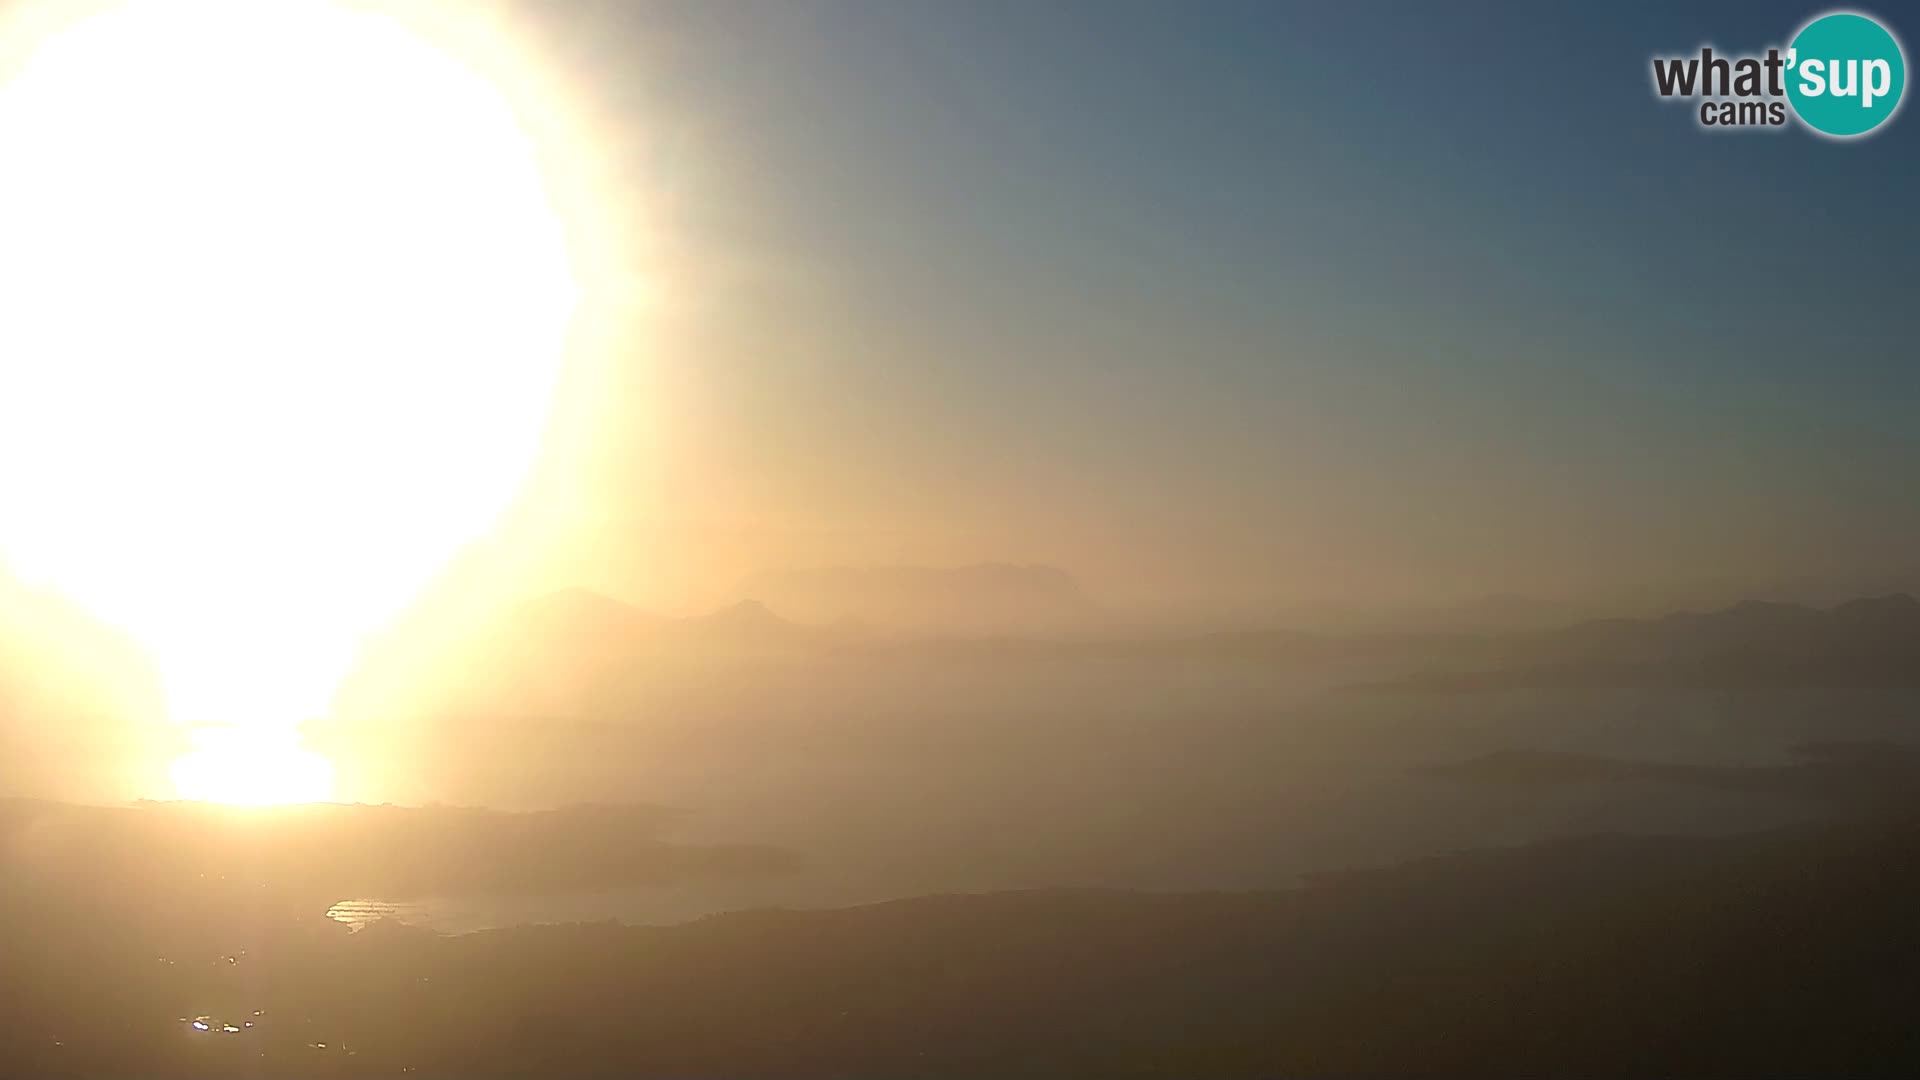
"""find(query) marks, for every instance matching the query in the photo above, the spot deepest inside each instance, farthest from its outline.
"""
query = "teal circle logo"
(1845, 74)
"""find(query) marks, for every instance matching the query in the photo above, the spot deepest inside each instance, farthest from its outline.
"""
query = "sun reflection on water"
(363, 912)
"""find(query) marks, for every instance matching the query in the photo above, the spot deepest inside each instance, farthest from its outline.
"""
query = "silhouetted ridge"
(985, 598)
(1865, 643)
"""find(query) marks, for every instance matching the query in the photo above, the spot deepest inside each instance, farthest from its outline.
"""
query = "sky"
(1227, 306)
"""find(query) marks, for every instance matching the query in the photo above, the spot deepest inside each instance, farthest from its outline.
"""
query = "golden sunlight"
(286, 296)
(254, 764)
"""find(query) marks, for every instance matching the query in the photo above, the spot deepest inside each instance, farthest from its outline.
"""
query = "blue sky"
(1260, 301)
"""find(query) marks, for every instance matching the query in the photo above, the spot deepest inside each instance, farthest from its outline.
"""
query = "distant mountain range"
(988, 598)
(1859, 776)
(1860, 643)
(583, 616)
(1879, 637)
(576, 653)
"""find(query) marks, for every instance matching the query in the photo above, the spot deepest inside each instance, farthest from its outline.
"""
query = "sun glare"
(284, 294)
(254, 765)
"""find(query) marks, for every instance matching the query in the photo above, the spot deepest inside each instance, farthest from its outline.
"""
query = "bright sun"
(284, 294)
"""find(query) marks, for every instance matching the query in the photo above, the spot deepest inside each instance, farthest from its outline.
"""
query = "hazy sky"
(1239, 304)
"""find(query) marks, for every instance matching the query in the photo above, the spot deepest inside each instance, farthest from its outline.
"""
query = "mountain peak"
(744, 617)
(748, 610)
